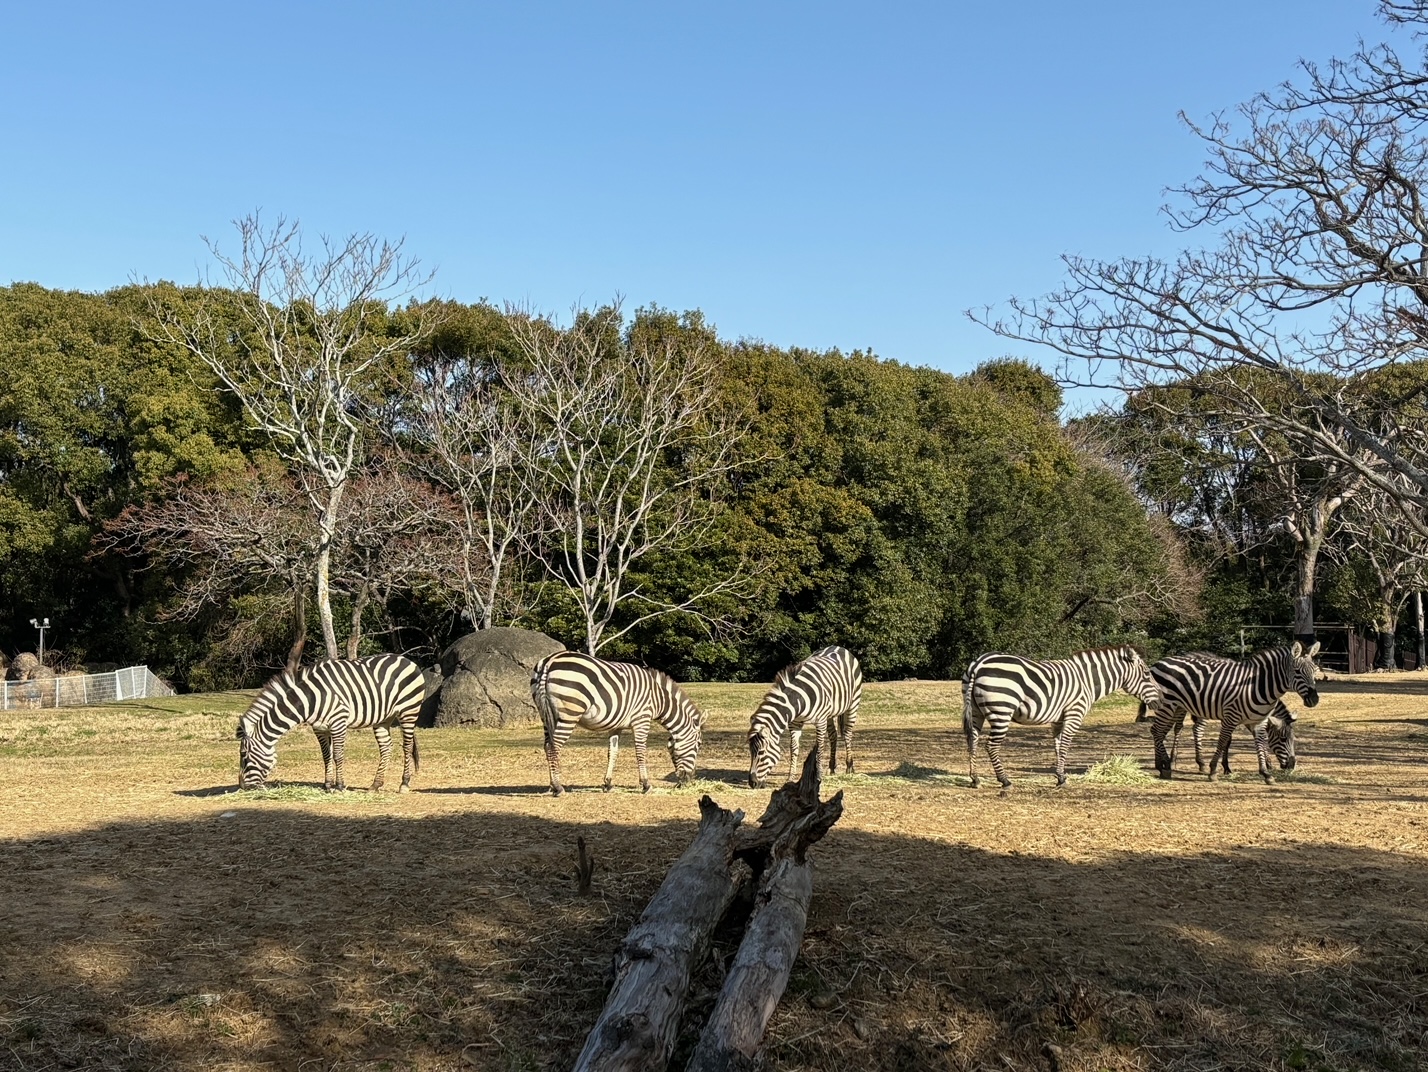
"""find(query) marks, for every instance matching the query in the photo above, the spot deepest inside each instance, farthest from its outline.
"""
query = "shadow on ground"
(286, 939)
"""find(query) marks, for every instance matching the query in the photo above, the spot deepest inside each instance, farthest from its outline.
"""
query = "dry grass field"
(150, 918)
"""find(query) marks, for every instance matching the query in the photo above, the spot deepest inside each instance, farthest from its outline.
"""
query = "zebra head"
(1280, 727)
(766, 729)
(1137, 679)
(1304, 672)
(256, 758)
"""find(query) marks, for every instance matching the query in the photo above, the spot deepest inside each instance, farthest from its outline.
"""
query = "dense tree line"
(915, 516)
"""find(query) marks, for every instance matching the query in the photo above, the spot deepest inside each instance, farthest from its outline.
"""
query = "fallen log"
(637, 1029)
(732, 1039)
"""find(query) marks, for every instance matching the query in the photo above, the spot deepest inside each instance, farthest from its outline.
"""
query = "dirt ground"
(152, 919)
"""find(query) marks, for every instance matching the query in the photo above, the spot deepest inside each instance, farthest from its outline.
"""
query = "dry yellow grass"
(149, 918)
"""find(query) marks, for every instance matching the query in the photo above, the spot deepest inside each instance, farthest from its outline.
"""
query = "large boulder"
(26, 667)
(486, 678)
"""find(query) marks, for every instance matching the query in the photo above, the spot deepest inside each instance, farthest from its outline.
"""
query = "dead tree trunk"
(733, 1036)
(636, 1030)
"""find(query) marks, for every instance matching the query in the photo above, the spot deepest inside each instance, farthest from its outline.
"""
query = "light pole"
(41, 626)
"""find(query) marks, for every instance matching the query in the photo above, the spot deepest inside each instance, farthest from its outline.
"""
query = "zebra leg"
(845, 727)
(1065, 731)
(995, 736)
(384, 755)
(612, 751)
(832, 753)
(794, 737)
(1159, 727)
(642, 737)
(553, 740)
(324, 742)
(339, 749)
(1222, 746)
(825, 731)
(411, 758)
(1261, 745)
(972, 725)
(1197, 731)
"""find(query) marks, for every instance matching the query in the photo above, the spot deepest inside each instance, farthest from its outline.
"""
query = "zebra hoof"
(1268, 779)
(976, 782)
(1061, 782)
(557, 790)
(607, 787)
(644, 787)
(1164, 772)
(1005, 783)
(1200, 767)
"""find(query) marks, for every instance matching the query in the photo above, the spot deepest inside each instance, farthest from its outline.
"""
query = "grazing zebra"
(334, 696)
(827, 685)
(572, 689)
(1279, 725)
(1002, 689)
(1249, 691)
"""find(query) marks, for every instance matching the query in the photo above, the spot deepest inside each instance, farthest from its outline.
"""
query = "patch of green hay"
(301, 794)
(1116, 770)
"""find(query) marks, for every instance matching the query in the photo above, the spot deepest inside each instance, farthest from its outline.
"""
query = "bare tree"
(250, 533)
(1387, 559)
(473, 439)
(633, 447)
(1317, 263)
(312, 334)
(396, 535)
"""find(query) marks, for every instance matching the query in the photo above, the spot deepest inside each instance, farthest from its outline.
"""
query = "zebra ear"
(1297, 649)
(1314, 650)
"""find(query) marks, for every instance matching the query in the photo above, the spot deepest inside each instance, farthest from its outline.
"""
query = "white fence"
(83, 690)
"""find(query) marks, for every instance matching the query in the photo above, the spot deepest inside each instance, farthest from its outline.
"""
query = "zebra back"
(825, 686)
(1214, 687)
(378, 690)
(1038, 691)
(570, 687)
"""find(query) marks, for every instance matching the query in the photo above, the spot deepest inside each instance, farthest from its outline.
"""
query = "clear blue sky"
(820, 174)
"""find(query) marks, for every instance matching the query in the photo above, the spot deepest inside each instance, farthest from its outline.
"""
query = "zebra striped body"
(571, 689)
(1279, 726)
(333, 697)
(1209, 688)
(823, 688)
(1001, 689)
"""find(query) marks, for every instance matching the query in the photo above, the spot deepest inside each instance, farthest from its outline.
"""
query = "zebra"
(1246, 692)
(825, 686)
(1278, 726)
(570, 688)
(334, 696)
(1002, 689)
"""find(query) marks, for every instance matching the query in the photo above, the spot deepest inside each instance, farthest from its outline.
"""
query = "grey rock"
(486, 678)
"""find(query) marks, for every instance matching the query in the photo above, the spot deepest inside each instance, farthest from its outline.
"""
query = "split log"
(733, 1035)
(637, 1029)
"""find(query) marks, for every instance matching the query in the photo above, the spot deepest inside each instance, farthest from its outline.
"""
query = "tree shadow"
(270, 935)
(1378, 686)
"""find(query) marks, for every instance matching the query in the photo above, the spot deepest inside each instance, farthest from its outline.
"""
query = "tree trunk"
(1306, 566)
(636, 1030)
(359, 604)
(299, 626)
(1418, 621)
(323, 569)
(1387, 658)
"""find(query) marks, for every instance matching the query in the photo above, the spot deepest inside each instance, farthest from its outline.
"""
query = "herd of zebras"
(821, 692)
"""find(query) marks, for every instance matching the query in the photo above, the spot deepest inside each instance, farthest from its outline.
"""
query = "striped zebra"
(1279, 726)
(1232, 693)
(333, 697)
(570, 689)
(1002, 689)
(826, 686)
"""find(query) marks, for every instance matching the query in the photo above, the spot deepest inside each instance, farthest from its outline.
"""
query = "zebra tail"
(540, 696)
(416, 755)
(967, 709)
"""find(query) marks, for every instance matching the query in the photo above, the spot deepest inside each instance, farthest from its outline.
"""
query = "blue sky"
(809, 174)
